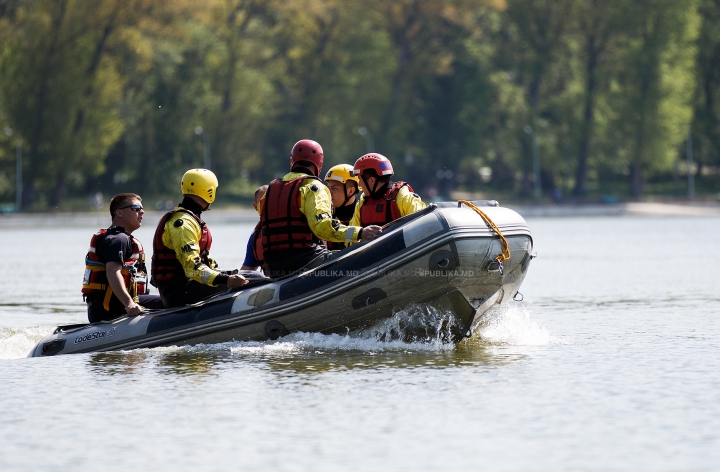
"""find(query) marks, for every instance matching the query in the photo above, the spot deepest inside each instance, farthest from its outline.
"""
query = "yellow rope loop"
(505, 256)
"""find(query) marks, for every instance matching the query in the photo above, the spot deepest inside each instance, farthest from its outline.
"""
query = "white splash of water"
(16, 343)
(297, 343)
(418, 322)
(418, 327)
(511, 325)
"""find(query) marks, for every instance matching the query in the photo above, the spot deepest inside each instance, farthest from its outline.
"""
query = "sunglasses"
(134, 207)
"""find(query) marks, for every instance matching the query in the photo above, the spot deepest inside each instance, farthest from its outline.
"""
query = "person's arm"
(250, 262)
(316, 205)
(184, 240)
(355, 220)
(408, 202)
(117, 284)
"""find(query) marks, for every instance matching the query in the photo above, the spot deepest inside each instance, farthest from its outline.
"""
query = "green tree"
(706, 124)
(535, 52)
(61, 90)
(654, 86)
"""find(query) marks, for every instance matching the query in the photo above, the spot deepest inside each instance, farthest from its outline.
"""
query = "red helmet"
(307, 150)
(377, 162)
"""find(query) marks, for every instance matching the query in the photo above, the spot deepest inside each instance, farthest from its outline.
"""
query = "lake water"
(611, 362)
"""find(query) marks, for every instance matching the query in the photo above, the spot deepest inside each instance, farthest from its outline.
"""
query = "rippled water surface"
(611, 362)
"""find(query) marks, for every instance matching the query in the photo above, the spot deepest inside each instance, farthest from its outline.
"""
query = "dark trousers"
(97, 312)
(284, 263)
(186, 291)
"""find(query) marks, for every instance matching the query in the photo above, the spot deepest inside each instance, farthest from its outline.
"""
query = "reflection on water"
(319, 361)
(174, 362)
(305, 354)
(117, 363)
(189, 363)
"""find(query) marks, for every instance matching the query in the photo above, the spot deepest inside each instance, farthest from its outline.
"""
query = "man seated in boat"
(253, 252)
(345, 192)
(296, 216)
(182, 268)
(115, 275)
(383, 201)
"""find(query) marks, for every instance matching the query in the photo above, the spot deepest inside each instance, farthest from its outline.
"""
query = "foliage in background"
(108, 95)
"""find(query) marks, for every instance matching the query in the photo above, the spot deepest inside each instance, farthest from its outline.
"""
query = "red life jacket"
(282, 225)
(133, 270)
(257, 247)
(165, 265)
(381, 211)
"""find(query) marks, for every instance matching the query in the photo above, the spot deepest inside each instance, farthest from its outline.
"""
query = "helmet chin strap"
(374, 189)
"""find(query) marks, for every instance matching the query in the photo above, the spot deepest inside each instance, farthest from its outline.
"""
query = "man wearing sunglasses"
(115, 282)
(182, 268)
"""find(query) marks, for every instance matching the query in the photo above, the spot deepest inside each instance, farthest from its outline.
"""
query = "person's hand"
(236, 281)
(133, 309)
(370, 232)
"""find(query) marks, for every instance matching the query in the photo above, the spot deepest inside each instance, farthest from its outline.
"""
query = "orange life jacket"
(133, 270)
(165, 265)
(282, 225)
(383, 210)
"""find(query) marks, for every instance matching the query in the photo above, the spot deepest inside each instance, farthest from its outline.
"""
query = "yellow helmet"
(342, 173)
(200, 182)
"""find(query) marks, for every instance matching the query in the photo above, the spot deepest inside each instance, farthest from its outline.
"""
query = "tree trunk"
(58, 192)
(38, 131)
(593, 52)
(28, 193)
(525, 185)
(400, 36)
(636, 180)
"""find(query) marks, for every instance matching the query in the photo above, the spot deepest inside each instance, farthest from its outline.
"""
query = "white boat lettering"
(95, 335)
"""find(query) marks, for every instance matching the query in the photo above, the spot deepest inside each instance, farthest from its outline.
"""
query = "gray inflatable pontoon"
(444, 255)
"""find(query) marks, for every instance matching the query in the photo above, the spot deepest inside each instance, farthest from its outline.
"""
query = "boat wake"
(18, 342)
(301, 343)
(510, 325)
(417, 327)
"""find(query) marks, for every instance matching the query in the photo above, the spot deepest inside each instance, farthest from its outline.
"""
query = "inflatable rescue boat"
(459, 258)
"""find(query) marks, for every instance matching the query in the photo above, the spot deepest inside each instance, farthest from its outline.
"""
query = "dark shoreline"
(247, 216)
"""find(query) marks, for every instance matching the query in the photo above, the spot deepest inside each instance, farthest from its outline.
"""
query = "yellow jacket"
(184, 239)
(407, 203)
(316, 205)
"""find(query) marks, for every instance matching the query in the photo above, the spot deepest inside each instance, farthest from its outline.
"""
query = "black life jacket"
(383, 210)
(133, 270)
(165, 266)
(343, 215)
(282, 225)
